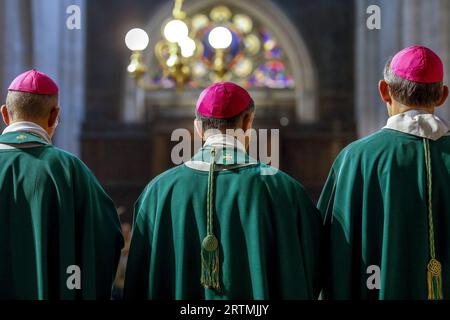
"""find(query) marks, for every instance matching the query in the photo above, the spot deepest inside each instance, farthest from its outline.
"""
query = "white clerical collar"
(219, 141)
(28, 127)
(224, 140)
(419, 123)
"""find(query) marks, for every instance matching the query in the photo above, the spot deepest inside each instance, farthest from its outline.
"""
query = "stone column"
(15, 41)
(34, 35)
(60, 52)
(403, 23)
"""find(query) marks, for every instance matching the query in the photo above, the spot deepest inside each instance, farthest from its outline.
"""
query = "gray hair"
(411, 93)
(223, 124)
(24, 105)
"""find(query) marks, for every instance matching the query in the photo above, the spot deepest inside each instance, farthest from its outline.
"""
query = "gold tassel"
(434, 268)
(210, 264)
(210, 274)
(434, 280)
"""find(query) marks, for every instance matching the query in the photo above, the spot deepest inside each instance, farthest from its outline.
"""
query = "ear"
(444, 97)
(383, 87)
(5, 115)
(198, 128)
(247, 121)
(53, 117)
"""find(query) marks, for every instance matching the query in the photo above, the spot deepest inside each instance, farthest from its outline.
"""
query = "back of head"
(415, 77)
(223, 106)
(24, 106)
(31, 96)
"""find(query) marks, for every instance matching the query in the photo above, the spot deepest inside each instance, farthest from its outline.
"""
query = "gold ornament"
(210, 243)
(220, 14)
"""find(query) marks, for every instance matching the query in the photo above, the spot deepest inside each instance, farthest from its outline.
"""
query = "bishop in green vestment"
(60, 234)
(218, 227)
(386, 203)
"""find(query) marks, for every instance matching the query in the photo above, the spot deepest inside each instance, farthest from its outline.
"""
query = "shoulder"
(64, 155)
(370, 146)
(56, 153)
(277, 177)
(378, 138)
(270, 172)
(60, 158)
(263, 173)
(445, 140)
(149, 195)
(167, 177)
(285, 189)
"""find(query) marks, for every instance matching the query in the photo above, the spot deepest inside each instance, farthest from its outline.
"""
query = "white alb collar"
(28, 127)
(218, 141)
(224, 140)
(419, 123)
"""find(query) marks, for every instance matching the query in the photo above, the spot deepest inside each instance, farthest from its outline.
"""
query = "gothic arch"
(282, 29)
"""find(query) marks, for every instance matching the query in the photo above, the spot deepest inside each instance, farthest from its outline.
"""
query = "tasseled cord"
(434, 273)
(210, 245)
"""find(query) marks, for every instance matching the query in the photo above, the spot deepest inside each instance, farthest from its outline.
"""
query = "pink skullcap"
(34, 82)
(223, 100)
(419, 64)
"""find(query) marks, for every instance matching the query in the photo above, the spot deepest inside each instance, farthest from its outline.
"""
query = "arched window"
(255, 57)
(268, 56)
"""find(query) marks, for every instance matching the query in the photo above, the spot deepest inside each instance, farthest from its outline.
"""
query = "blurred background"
(311, 66)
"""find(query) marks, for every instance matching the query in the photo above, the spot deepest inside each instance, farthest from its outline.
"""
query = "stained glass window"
(254, 59)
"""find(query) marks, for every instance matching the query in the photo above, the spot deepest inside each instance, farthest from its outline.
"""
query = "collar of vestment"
(230, 154)
(419, 123)
(21, 138)
(224, 141)
(30, 127)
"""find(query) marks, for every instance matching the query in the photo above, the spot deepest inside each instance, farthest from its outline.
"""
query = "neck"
(397, 108)
(28, 126)
(227, 139)
(39, 122)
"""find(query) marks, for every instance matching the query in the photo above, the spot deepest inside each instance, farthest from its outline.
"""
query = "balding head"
(32, 97)
(24, 106)
(40, 109)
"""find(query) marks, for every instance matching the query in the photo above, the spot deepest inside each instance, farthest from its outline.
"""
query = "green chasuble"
(54, 218)
(267, 228)
(377, 218)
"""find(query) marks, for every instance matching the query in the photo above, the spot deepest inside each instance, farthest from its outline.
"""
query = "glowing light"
(175, 31)
(137, 39)
(188, 47)
(171, 61)
(220, 38)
